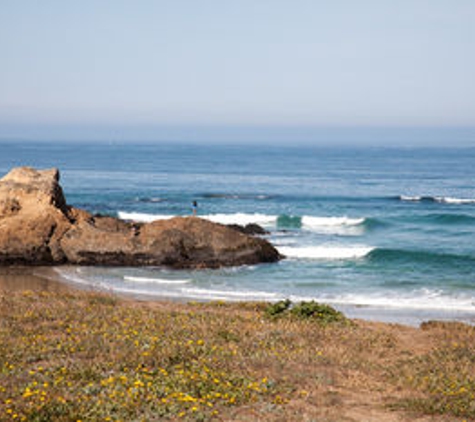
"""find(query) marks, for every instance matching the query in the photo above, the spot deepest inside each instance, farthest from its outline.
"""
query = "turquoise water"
(380, 233)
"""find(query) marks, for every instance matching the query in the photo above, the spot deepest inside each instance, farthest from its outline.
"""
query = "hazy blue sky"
(152, 67)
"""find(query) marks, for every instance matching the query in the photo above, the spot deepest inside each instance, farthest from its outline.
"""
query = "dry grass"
(77, 356)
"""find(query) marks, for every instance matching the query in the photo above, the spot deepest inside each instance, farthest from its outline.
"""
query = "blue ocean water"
(382, 233)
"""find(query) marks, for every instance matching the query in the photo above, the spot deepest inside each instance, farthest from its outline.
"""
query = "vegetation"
(83, 357)
(277, 309)
(314, 311)
(444, 378)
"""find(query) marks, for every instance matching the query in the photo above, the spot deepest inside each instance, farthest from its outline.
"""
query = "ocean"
(380, 233)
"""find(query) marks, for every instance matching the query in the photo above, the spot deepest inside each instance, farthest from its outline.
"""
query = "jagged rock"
(37, 227)
(33, 216)
(252, 229)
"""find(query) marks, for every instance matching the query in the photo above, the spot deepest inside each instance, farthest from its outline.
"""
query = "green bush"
(318, 311)
(305, 310)
(278, 308)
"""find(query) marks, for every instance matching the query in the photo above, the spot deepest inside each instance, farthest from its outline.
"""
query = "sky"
(246, 69)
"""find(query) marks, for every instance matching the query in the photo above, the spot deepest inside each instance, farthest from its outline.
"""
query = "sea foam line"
(325, 252)
(438, 199)
(343, 226)
(308, 222)
(230, 294)
(238, 218)
(142, 217)
(202, 294)
(449, 200)
(152, 280)
(242, 219)
(422, 299)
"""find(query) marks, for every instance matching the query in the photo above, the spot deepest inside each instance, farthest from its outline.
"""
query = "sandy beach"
(15, 279)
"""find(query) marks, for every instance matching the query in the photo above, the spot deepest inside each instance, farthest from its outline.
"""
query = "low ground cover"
(88, 356)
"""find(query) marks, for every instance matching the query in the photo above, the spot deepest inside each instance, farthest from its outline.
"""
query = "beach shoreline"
(49, 279)
(363, 242)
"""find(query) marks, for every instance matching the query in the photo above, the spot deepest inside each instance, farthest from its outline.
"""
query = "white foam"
(204, 294)
(283, 241)
(142, 217)
(242, 219)
(333, 225)
(150, 280)
(439, 199)
(315, 222)
(326, 225)
(74, 275)
(237, 218)
(232, 295)
(410, 198)
(456, 201)
(325, 252)
(422, 299)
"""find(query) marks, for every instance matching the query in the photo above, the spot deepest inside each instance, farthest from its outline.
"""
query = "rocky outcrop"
(37, 227)
(252, 229)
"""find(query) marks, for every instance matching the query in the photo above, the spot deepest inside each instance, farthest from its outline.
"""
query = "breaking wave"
(430, 258)
(327, 225)
(325, 252)
(142, 217)
(257, 196)
(153, 200)
(437, 199)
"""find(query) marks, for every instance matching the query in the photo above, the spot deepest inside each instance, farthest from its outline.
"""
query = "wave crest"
(325, 252)
(246, 196)
(142, 217)
(432, 258)
(325, 225)
(242, 219)
(438, 199)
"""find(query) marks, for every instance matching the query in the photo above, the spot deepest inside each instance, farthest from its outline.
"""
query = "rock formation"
(37, 227)
(252, 229)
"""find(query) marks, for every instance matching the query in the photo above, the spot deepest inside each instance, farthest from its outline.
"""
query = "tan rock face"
(32, 217)
(37, 227)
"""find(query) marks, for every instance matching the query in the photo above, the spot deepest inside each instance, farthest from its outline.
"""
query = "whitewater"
(385, 234)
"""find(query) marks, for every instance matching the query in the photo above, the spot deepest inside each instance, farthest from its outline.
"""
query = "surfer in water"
(194, 207)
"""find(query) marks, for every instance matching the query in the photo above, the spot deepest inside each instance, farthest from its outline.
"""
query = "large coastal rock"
(37, 227)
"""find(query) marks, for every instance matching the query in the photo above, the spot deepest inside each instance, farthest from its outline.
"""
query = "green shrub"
(313, 310)
(278, 308)
(305, 310)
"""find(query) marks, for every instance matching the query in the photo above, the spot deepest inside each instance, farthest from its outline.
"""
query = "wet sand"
(30, 278)
(47, 279)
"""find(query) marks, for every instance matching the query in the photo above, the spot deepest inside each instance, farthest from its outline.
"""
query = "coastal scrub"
(313, 311)
(88, 356)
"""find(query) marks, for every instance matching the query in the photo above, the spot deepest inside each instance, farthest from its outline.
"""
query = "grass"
(444, 378)
(83, 357)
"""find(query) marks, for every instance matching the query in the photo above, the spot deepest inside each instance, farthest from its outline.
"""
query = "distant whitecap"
(242, 219)
(325, 252)
(142, 217)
